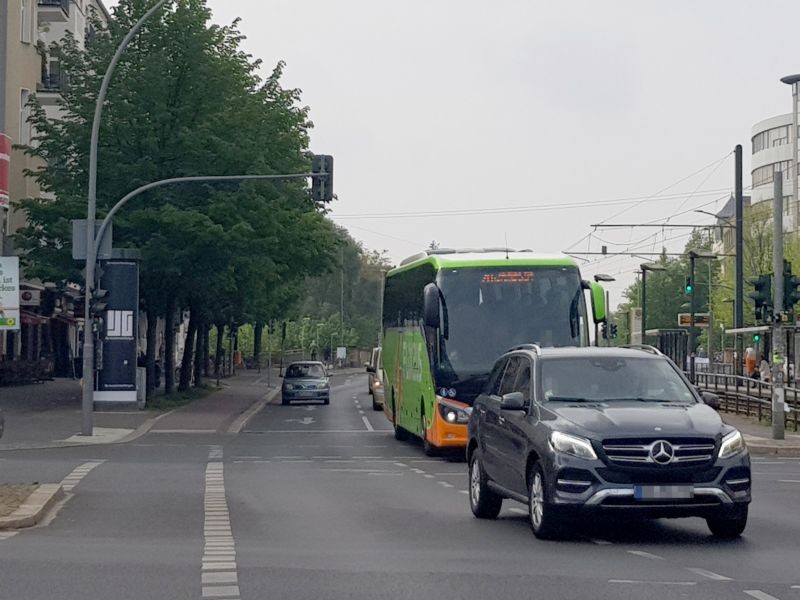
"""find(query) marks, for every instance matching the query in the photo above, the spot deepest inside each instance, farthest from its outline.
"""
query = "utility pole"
(778, 341)
(692, 330)
(341, 306)
(738, 320)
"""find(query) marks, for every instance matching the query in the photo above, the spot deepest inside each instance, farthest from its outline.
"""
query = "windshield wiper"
(570, 399)
(638, 399)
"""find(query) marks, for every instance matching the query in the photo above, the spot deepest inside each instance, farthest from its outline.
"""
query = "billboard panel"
(9, 293)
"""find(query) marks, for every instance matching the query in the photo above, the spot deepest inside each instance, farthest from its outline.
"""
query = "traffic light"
(322, 178)
(688, 288)
(612, 331)
(756, 338)
(98, 307)
(762, 296)
(791, 283)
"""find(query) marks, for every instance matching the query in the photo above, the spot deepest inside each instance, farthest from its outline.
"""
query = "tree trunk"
(198, 354)
(218, 351)
(169, 348)
(206, 331)
(257, 331)
(150, 357)
(188, 353)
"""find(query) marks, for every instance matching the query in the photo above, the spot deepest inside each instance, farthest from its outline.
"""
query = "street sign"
(341, 352)
(9, 293)
(701, 320)
(79, 240)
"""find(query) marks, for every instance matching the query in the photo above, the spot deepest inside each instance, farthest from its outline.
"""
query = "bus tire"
(428, 448)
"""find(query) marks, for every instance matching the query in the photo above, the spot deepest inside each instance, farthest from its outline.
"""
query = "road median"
(33, 508)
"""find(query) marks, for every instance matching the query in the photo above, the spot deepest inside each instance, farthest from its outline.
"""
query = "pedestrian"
(750, 362)
(763, 369)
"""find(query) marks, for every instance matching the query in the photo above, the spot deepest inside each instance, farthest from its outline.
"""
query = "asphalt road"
(321, 502)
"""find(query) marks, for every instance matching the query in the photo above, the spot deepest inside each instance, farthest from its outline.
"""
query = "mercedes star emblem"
(662, 452)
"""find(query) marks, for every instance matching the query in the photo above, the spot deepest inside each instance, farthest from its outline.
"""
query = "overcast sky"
(442, 105)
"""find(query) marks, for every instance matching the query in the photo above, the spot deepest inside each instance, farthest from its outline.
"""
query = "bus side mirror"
(598, 302)
(431, 306)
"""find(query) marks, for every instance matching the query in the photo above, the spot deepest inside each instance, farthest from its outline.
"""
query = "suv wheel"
(540, 514)
(729, 525)
(485, 503)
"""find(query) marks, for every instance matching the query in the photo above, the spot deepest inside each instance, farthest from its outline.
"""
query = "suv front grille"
(684, 451)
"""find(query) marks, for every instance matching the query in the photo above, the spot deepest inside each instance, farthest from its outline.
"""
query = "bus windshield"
(486, 311)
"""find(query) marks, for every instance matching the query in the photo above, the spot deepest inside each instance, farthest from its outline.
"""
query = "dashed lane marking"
(78, 473)
(445, 484)
(367, 424)
(218, 576)
(708, 574)
(759, 595)
(644, 554)
(464, 491)
(789, 480)
(687, 583)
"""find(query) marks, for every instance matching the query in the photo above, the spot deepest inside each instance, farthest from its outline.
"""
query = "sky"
(526, 122)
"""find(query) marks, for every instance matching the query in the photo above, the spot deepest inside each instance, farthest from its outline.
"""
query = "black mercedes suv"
(575, 431)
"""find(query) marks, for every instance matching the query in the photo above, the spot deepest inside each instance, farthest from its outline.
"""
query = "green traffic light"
(756, 338)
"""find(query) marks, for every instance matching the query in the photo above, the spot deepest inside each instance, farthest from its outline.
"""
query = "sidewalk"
(48, 415)
(759, 436)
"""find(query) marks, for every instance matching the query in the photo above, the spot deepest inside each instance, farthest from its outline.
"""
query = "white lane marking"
(600, 542)
(367, 424)
(218, 574)
(644, 554)
(366, 457)
(518, 511)
(330, 456)
(340, 460)
(399, 464)
(391, 473)
(464, 491)
(277, 457)
(789, 480)
(445, 484)
(708, 574)
(418, 471)
(652, 582)
(297, 461)
(428, 476)
(78, 473)
(759, 595)
(770, 462)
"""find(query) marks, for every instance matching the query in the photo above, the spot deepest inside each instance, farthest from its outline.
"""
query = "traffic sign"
(701, 320)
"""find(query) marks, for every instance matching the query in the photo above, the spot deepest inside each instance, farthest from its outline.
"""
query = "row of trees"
(185, 100)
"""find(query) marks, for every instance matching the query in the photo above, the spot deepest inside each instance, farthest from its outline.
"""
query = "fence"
(751, 397)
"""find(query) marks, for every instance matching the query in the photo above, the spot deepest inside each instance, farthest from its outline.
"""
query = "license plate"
(663, 492)
(305, 394)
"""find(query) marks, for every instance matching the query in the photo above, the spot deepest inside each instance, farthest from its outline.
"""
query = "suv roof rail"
(535, 347)
(644, 348)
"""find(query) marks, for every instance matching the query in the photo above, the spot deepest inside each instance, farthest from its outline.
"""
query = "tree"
(185, 100)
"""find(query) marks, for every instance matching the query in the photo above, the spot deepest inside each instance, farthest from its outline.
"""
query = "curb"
(241, 421)
(35, 506)
(772, 450)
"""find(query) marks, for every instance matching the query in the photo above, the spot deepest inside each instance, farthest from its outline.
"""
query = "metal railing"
(751, 397)
(53, 82)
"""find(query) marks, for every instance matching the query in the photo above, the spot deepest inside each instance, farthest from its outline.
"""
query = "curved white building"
(772, 151)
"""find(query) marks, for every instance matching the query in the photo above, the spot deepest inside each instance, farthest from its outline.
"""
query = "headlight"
(733, 443)
(453, 414)
(572, 445)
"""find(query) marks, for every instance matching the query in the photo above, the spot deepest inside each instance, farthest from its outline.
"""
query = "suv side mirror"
(512, 401)
(431, 306)
(711, 399)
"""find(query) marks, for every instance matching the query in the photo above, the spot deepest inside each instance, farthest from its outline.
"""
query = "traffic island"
(24, 505)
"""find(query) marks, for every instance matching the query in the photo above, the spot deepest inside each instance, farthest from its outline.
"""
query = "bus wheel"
(428, 448)
(400, 434)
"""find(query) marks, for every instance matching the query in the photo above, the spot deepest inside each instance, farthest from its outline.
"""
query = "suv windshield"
(489, 310)
(314, 371)
(606, 379)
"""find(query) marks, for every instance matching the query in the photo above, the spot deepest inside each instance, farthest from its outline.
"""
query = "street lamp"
(604, 278)
(794, 81)
(645, 267)
(693, 256)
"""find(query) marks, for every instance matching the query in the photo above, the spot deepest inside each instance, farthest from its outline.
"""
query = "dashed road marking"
(644, 554)
(709, 574)
(759, 595)
(78, 473)
(789, 480)
(429, 476)
(367, 424)
(687, 583)
(399, 464)
(464, 491)
(218, 575)
(445, 484)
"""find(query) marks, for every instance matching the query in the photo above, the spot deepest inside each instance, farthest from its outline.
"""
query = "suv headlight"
(453, 414)
(572, 445)
(732, 444)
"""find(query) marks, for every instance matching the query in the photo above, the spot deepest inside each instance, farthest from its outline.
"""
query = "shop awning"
(30, 318)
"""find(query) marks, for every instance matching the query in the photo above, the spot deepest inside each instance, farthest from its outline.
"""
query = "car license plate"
(663, 492)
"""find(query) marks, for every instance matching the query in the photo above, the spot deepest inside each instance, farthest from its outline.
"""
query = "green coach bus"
(449, 314)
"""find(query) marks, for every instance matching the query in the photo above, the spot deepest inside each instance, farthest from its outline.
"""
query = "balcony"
(53, 11)
(54, 83)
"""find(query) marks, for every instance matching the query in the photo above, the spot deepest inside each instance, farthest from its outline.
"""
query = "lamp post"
(602, 277)
(87, 398)
(645, 267)
(693, 256)
(794, 81)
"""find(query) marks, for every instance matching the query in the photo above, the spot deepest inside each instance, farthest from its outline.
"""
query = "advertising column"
(116, 379)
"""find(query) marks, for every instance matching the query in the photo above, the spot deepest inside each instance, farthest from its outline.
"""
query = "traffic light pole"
(778, 340)
(692, 329)
(738, 315)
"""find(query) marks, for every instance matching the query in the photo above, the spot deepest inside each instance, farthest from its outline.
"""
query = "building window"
(26, 20)
(764, 175)
(24, 115)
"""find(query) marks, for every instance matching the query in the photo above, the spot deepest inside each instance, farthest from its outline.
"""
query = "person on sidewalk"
(763, 369)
